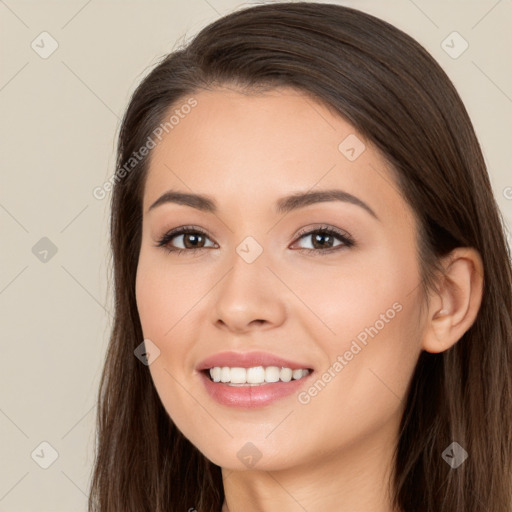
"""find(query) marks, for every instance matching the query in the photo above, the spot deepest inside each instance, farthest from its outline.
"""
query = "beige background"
(59, 119)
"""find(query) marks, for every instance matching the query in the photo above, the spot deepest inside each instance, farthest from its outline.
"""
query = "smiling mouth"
(254, 376)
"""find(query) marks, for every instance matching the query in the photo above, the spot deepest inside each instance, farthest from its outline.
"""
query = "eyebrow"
(283, 205)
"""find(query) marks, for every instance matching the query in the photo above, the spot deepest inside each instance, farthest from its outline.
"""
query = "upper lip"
(248, 360)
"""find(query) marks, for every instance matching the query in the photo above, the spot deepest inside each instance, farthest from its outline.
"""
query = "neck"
(354, 479)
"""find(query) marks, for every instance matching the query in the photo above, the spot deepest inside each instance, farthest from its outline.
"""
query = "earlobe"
(454, 306)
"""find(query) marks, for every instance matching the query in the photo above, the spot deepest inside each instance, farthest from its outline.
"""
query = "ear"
(454, 307)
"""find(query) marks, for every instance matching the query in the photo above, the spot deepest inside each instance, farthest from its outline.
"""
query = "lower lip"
(251, 396)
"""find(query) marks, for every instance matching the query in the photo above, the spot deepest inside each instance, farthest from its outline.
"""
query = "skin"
(245, 151)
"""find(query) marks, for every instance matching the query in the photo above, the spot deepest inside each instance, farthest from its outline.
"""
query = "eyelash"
(324, 230)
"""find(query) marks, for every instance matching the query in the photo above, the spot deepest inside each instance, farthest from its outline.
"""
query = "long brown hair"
(391, 90)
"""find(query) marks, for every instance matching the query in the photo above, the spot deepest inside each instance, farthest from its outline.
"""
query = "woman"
(244, 373)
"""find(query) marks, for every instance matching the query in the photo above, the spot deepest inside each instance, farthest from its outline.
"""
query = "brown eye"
(323, 240)
(187, 238)
(193, 240)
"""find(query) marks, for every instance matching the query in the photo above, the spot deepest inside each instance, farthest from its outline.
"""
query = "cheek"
(165, 296)
(369, 312)
(151, 300)
(376, 321)
(351, 295)
(369, 362)
(163, 300)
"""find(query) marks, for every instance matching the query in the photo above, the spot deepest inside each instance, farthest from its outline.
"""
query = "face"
(251, 277)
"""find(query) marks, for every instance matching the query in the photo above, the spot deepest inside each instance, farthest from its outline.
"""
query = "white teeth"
(215, 374)
(225, 374)
(286, 374)
(238, 375)
(255, 375)
(272, 374)
(297, 374)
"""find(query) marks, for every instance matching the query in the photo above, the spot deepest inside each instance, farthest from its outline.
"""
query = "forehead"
(254, 148)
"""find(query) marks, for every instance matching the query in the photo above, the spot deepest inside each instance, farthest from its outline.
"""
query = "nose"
(247, 298)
